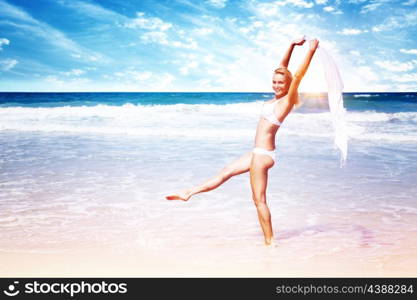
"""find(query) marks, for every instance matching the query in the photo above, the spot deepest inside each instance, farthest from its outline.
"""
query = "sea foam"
(199, 121)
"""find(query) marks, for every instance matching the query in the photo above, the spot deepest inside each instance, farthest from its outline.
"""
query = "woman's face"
(280, 84)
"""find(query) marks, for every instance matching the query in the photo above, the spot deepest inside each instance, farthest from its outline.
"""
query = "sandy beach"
(99, 263)
(310, 251)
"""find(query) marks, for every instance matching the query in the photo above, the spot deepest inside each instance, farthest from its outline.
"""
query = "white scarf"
(335, 98)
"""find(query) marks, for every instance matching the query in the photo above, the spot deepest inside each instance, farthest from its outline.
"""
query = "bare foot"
(270, 243)
(184, 196)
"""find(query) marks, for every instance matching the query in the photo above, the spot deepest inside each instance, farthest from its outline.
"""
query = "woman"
(262, 158)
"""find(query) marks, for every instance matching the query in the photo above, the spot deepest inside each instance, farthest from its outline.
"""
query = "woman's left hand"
(299, 42)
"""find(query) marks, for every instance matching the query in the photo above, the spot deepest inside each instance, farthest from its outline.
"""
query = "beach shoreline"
(99, 263)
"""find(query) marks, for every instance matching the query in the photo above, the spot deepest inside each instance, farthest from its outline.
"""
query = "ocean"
(90, 171)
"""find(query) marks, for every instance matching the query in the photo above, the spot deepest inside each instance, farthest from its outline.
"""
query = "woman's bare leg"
(239, 166)
(259, 180)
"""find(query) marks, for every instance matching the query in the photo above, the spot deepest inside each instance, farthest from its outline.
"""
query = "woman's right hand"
(314, 44)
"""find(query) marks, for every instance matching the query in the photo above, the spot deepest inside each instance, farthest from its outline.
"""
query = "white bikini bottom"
(271, 154)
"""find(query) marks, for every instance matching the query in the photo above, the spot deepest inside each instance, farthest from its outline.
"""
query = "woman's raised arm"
(287, 56)
(299, 74)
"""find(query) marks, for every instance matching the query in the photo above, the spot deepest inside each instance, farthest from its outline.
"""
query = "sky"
(208, 45)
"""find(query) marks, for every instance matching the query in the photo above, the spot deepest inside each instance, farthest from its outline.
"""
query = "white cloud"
(151, 23)
(300, 3)
(94, 57)
(410, 18)
(159, 32)
(205, 84)
(396, 66)
(217, 3)
(370, 7)
(74, 72)
(15, 12)
(155, 37)
(362, 78)
(273, 9)
(3, 41)
(134, 75)
(406, 87)
(277, 32)
(160, 37)
(7, 64)
(203, 31)
(265, 38)
(321, 2)
(68, 84)
(89, 57)
(352, 31)
(409, 51)
(267, 9)
(188, 43)
(367, 73)
(164, 82)
(142, 75)
(331, 9)
(410, 77)
(208, 59)
(54, 80)
(373, 5)
(356, 58)
(133, 80)
(251, 27)
(53, 36)
(93, 10)
(410, 2)
(185, 70)
(393, 23)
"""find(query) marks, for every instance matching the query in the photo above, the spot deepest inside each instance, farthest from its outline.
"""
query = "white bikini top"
(268, 112)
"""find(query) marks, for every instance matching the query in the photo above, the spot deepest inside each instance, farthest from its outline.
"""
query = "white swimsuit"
(268, 112)
(270, 153)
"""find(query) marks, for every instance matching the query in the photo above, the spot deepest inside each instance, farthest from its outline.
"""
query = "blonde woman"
(262, 158)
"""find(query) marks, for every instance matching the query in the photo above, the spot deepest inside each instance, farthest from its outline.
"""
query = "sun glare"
(314, 80)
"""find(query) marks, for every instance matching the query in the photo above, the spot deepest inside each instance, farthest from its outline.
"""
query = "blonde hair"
(284, 71)
(287, 74)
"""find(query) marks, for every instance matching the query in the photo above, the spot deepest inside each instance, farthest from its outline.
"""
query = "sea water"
(80, 170)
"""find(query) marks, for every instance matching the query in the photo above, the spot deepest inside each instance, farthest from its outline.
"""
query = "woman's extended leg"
(239, 166)
(259, 180)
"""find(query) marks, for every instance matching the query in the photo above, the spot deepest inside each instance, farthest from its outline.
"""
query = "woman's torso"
(266, 130)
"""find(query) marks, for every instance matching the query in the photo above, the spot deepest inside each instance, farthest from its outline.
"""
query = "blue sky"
(211, 45)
